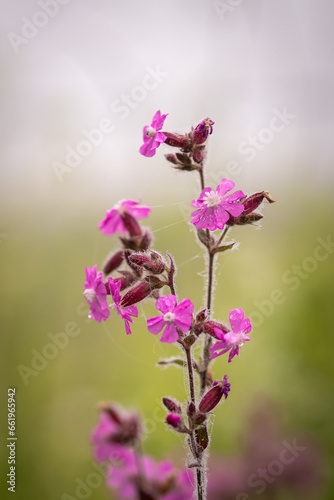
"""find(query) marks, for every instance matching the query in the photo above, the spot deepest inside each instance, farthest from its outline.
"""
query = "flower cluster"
(134, 272)
(116, 442)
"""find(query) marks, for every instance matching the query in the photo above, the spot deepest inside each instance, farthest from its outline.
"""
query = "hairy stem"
(199, 470)
(208, 338)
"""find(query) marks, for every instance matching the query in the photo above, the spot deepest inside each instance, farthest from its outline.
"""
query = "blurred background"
(263, 71)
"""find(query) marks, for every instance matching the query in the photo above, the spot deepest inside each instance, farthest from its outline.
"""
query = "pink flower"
(173, 317)
(96, 295)
(151, 137)
(126, 312)
(215, 208)
(235, 338)
(113, 222)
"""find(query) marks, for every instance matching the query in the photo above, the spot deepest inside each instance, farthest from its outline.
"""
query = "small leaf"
(202, 438)
(172, 361)
(223, 248)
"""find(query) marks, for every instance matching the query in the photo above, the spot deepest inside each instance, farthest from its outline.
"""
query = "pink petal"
(155, 324)
(205, 218)
(170, 334)
(224, 186)
(146, 148)
(246, 325)
(234, 196)
(112, 223)
(234, 209)
(158, 120)
(234, 351)
(166, 303)
(221, 217)
(235, 317)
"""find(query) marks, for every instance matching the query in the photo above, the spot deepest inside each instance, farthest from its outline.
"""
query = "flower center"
(169, 317)
(211, 199)
(150, 132)
(90, 294)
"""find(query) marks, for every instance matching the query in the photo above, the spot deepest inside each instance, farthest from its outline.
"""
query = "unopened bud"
(202, 131)
(176, 140)
(172, 158)
(173, 420)
(198, 155)
(172, 406)
(252, 202)
(136, 294)
(131, 224)
(112, 262)
(127, 278)
(211, 399)
(151, 262)
(176, 421)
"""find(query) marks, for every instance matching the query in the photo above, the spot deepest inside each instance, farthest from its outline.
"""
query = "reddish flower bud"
(176, 140)
(210, 326)
(202, 131)
(211, 399)
(136, 294)
(131, 224)
(126, 279)
(172, 406)
(151, 262)
(198, 155)
(252, 202)
(113, 261)
(176, 421)
(244, 219)
(172, 158)
(173, 420)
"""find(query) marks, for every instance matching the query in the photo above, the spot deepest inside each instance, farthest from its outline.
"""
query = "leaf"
(223, 248)
(202, 438)
(172, 361)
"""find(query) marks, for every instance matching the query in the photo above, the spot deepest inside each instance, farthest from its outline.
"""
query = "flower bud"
(131, 224)
(202, 131)
(244, 219)
(136, 294)
(252, 202)
(211, 399)
(176, 421)
(151, 262)
(172, 158)
(173, 420)
(127, 278)
(198, 155)
(172, 406)
(112, 262)
(176, 140)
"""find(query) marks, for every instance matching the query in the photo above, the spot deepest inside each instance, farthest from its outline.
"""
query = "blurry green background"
(236, 69)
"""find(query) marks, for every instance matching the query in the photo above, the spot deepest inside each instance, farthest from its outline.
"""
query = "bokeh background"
(241, 63)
